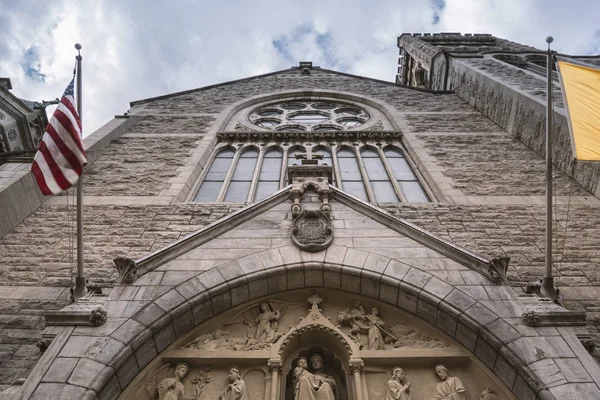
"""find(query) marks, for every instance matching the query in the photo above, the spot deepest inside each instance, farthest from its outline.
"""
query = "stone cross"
(309, 158)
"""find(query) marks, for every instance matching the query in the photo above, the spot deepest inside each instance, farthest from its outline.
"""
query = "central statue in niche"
(315, 385)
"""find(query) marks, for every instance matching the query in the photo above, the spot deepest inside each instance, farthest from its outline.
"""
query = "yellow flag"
(581, 91)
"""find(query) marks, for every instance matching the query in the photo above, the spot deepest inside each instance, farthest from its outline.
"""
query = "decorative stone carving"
(488, 394)
(371, 332)
(262, 330)
(236, 390)
(449, 387)
(127, 269)
(531, 318)
(497, 269)
(243, 128)
(312, 231)
(162, 387)
(374, 134)
(42, 344)
(360, 322)
(219, 339)
(356, 366)
(314, 385)
(398, 387)
(98, 316)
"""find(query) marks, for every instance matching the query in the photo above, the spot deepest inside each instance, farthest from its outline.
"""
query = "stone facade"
(478, 151)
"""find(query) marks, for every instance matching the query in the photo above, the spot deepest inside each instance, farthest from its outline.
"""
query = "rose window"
(309, 116)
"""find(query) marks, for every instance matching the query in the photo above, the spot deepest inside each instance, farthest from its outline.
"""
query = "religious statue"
(162, 387)
(236, 390)
(398, 388)
(372, 324)
(449, 387)
(312, 386)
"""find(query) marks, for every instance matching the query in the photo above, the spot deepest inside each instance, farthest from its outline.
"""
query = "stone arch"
(215, 291)
(386, 109)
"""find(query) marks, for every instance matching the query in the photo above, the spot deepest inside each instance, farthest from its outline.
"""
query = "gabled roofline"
(457, 253)
(166, 96)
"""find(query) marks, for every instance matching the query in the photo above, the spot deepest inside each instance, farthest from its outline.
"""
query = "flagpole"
(547, 288)
(80, 287)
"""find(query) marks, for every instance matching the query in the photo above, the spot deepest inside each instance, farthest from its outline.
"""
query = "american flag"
(60, 158)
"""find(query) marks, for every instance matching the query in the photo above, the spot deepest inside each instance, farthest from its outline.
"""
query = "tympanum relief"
(278, 349)
(371, 332)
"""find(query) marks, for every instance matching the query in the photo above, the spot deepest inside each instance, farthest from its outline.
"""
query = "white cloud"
(139, 49)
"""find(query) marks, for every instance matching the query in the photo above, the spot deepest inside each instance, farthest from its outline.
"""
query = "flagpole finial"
(549, 40)
(78, 46)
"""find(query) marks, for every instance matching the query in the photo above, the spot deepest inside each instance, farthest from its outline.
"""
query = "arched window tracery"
(249, 165)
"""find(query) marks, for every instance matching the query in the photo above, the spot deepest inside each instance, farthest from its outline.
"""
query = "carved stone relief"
(282, 351)
(312, 231)
(449, 387)
(262, 328)
(371, 332)
(165, 384)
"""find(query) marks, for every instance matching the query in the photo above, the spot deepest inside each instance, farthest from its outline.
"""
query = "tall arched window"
(239, 186)
(408, 182)
(270, 174)
(352, 181)
(211, 185)
(382, 187)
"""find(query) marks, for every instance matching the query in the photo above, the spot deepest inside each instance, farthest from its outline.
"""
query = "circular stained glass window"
(317, 116)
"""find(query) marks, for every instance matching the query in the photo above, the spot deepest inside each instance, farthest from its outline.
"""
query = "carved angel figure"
(372, 324)
(162, 387)
(398, 388)
(262, 322)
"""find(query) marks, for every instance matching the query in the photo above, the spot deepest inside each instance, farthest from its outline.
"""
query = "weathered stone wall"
(36, 272)
(515, 100)
(138, 166)
(494, 165)
(215, 99)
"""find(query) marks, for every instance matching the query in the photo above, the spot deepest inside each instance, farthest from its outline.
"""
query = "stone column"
(356, 369)
(275, 368)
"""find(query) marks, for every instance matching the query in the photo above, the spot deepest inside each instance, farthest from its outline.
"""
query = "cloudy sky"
(134, 49)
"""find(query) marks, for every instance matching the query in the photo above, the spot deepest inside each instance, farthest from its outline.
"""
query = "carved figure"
(236, 390)
(450, 387)
(127, 269)
(219, 339)
(308, 386)
(172, 388)
(398, 389)
(488, 394)
(162, 387)
(359, 322)
(262, 322)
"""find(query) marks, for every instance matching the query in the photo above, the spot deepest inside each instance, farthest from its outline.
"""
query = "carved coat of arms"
(312, 231)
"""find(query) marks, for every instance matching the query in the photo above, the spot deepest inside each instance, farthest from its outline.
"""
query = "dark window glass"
(378, 177)
(351, 178)
(410, 186)
(242, 177)
(270, 172)
(209, 190)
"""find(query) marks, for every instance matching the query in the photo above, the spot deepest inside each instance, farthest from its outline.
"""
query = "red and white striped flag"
(60, 158)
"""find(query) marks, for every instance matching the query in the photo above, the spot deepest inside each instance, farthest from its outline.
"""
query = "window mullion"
(284, 165)
(336, 167)
(363, 173)
(255, 176)
(391, 175)
(227, 180)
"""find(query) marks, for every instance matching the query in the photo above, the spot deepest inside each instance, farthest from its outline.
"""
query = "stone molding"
(484, 327)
